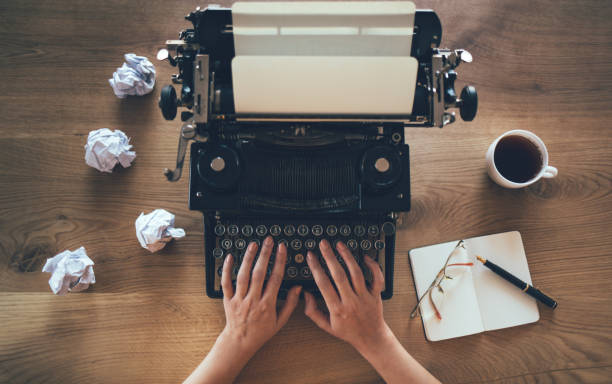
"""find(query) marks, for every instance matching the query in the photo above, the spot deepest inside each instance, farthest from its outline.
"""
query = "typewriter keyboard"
(375, 239)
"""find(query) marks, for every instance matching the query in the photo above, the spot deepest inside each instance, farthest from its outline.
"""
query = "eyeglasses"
(455, 266)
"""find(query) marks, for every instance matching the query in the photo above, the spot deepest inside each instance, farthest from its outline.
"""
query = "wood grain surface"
(538, 65)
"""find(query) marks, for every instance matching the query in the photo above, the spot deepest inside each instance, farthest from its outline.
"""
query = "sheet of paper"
(136, 77)
(502, 304)
(461, 312)
(323, 58)
(156, 228)
(71, 271)
(106, 148)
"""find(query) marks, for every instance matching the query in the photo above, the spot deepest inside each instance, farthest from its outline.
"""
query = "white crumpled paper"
(71, 271)
(155, 229)
(105, 148)
(135, 77)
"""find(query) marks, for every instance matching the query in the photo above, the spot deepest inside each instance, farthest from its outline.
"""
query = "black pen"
(530, 290)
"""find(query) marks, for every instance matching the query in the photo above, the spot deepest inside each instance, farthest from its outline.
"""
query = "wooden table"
(542, 66)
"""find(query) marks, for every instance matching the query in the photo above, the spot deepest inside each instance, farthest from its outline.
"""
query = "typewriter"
(296, 114)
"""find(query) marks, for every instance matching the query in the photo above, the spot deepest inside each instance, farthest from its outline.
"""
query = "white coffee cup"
(546, 171)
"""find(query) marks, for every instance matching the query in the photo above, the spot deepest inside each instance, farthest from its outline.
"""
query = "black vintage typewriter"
(297, 114)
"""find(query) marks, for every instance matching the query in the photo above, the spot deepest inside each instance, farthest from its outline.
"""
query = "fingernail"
(282, 245)
(339, 244)
(324, 244)
(268, 240)
(228, 257)
(252, 246)
(309, 256)
(299, 290)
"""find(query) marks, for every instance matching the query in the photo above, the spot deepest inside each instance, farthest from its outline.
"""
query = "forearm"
(222, 364)
(393, 363)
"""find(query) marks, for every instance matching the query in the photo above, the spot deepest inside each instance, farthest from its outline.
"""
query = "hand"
(250, 313)
(356, 315)
(251, 317)
(355, 312)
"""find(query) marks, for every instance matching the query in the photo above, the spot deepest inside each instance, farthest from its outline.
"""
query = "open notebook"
(481, 300)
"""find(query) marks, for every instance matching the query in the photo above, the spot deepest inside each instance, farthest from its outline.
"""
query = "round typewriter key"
(256, 241)
(284, 242)
(261, 230)
(296, 244)
(226, 244)
(317, 230)
(292, 272)
(352, 244)
(366, 244)
(331, 230)
(310, 244)
(232, 230)
(302, 230)
(247, 230)
(220, 271)
(373, 230)
(345, 230)
(305, 272)
(388, 228)
(275, 230)
(219, 229)
(359, 230)
(299, 258)
(379, 244)
(217, 253)
(289, 230)
(240, 243)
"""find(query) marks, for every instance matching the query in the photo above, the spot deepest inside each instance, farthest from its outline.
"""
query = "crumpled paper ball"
(71, 271)
(135, 77)
(105, 148)
(155, 229)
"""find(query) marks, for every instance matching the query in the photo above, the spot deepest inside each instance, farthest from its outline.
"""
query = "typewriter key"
(247, 230)
(373, 230)
(275, 230)
(310, 244)
(352, 244)
(226, 244)
(366, 244)
(296, 244)
(317, 230)
(233, 230)
(219, 229)
(388, 228)
(359, 230)
(284, 242)
(332, 230)
(261, 230)
(240, 243)
(345, 230)
(256, 241)
(289, 230)
(379, 244)
(217, 253)
(292, 272)
(305, 272)
(299, 258)
(302, 230)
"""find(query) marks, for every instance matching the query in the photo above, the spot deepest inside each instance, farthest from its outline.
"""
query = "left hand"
(250, 311)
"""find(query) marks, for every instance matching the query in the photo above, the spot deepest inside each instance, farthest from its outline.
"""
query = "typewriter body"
(269, 153)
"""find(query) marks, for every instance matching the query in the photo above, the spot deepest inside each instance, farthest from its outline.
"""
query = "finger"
(259, 272)
(276, 278)
(356, 274)
(336, 270)
(292, 301)
(226, 278)
(378, 279)
(315, 314)
(244, 275)
(325, 286)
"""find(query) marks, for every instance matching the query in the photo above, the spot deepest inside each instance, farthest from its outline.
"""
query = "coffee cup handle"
(550, 172)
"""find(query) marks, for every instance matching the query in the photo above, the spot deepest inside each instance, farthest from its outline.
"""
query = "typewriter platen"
(269, 156)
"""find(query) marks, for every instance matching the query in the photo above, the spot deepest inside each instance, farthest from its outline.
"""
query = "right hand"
(355, 311)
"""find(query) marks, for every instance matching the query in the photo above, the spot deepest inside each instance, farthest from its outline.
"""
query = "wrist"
(377, 344)
(234, 345)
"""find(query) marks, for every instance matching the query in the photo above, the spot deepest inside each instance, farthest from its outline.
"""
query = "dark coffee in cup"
(517, 158)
